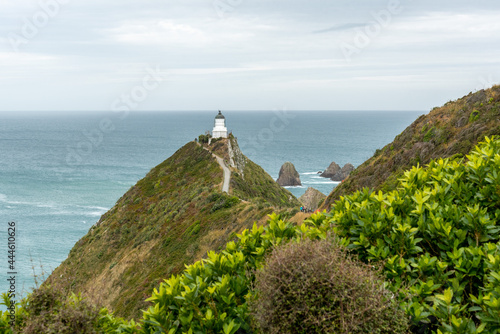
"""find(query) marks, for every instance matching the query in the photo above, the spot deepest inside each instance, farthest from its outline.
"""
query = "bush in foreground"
(439, 235)
(315, 287)
(46, 310)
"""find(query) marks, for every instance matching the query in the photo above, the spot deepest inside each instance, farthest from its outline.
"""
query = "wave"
(100, 208)
(50, 206)
(87, 211)
(325, 182)
(4, 199)
(55, 209)
(95, 213)
(290, 187)
(310, 173)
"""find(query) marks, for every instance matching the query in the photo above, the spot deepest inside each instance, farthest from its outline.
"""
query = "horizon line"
(209, 110)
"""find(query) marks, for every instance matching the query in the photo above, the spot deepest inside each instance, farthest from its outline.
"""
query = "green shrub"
(474, 116)
(203, 139)
(439, 235)
(224, 202)
(429, 134)
(315, 287)
(211, 296)
(46, 310)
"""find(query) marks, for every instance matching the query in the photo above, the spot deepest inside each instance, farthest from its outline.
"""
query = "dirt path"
(227, 172)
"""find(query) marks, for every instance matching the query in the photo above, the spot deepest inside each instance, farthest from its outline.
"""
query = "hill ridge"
(170, 218)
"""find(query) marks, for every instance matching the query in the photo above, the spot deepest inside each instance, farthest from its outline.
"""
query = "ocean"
(60, 172)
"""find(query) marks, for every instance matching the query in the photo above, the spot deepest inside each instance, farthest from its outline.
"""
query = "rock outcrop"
(288, 176)
(344, 173)
(312, 198)
(335, 173)
(332, 170)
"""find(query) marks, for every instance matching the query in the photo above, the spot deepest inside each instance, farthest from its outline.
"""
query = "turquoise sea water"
(59, 174)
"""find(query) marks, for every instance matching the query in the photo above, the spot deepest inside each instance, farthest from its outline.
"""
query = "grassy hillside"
(451, 130)
(170, 218)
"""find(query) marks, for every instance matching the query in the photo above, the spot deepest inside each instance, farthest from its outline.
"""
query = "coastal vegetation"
(418, 251)
(433, 244)
(435, 238)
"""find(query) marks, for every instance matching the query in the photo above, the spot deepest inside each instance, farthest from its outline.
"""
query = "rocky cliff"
(312, 198)
(451, 130)
(288, 176)
(170, 218)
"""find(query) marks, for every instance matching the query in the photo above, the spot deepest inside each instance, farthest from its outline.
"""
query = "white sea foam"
(50, 206)
(4, 199)
(80, 210)
(309, 173)
(95, 213)
(100, 208)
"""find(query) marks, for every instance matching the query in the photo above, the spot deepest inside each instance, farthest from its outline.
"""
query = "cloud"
(340, 27)
(164, 32)
(283, 52)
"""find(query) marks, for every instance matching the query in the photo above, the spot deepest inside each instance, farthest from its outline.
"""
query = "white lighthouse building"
(220, 130)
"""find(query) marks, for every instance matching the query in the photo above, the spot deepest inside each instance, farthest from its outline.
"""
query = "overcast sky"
(245, 54)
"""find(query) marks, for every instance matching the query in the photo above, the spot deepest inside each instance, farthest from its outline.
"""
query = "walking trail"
(227, 172)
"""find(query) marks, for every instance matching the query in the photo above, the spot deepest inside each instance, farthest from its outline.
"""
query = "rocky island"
(288, 177)
(335, 173)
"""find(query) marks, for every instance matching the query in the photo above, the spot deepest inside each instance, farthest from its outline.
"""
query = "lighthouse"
(220, 130)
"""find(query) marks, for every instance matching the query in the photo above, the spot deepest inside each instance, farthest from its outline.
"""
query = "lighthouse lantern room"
(220, 129)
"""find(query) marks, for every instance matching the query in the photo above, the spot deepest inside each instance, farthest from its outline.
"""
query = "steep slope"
(453, 129)
(170, 218)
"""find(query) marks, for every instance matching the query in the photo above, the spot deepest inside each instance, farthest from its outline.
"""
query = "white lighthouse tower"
(220, 130)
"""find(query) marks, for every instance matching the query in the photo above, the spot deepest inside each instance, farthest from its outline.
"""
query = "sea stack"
(331, 170)
(344, 173)
(335, 173)
(312, 199)
(288, 176)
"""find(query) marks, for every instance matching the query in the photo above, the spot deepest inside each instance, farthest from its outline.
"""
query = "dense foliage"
(316, 287)
(437, 236)
(211, 296)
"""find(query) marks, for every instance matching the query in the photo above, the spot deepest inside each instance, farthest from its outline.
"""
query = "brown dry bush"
(48, 311)
(316, 287)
